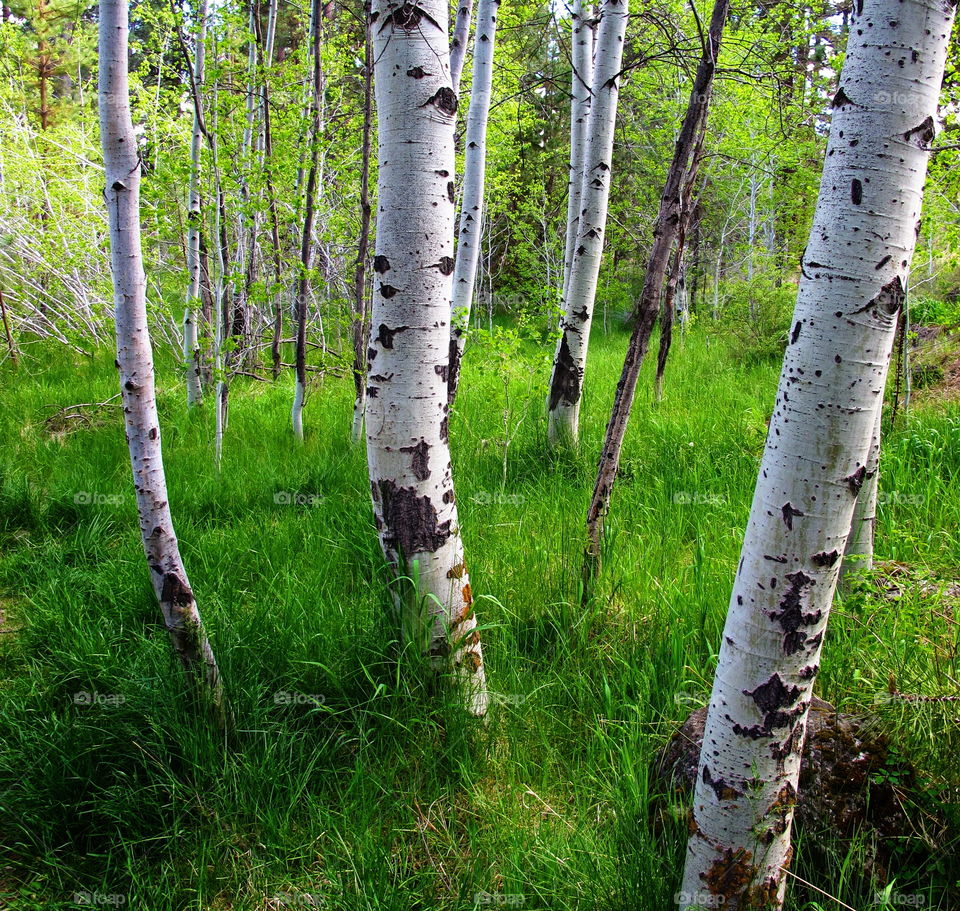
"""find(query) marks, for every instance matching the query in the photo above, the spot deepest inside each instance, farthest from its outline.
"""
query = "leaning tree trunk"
(471, 203)
(854, 272)
(361, 322)
(667, 307)
(680, 178)
(407, 447)
(135, 361)
(570, 360)
(581, 53)
(458, 43)
(306, 239)
(192, 356)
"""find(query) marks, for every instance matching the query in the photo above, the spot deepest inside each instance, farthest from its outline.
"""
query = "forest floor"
(354, 783)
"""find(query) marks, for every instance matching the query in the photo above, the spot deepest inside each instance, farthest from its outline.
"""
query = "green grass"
(377, 793)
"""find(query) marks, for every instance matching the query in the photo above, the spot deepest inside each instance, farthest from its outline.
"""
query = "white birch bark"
(471, 203)
(191, 347)
(458, 44)
(570, 360)
(858, 554)
(582, 80)
(407, 448)
(854, 272)
(135, 359)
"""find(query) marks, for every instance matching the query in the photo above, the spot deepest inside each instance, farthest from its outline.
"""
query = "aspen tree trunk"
(459, 41)
(471, 203)
(408, 453)
(580, 96)
(672, 214)
(361, 322)
(135, 361)
(854, 273)
(858, 553)
(306, 240)
(570, 360)
(191, 349)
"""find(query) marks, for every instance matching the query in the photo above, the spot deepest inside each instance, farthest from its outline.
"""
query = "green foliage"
(755, 319)
(933, 311)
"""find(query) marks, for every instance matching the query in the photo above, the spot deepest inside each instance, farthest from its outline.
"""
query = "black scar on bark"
(442, 370)
(840, 99)
(453, 375)
(723, 790)
(883, 262)
(381, 264)
(855, 480)
(856, 191)
(921, 135)
(809, 672)
(175, 591)
(446, 265)
(796, 333)
(447, 496)
(773, 695)
(445, 429)
(419, 463)
(789, 512)
(416, 72)
(371, 353)
(582, 313)
(444, 99)
(388, 291)
(566, 380)
(450, 191)
(411, 520)
(791, 616)
(825, 558)
(385, 334)
(891, 297)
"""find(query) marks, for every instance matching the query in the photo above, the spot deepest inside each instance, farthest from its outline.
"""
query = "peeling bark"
(817, 451)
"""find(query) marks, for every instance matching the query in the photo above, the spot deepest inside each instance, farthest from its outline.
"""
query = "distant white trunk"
(135, 359)
(815, 462)
(570, 361)
(471, 203)
(407, 448)
(581, 52)
(191, 348)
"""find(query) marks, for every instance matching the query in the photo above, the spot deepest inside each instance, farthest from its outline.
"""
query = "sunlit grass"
(355, 783)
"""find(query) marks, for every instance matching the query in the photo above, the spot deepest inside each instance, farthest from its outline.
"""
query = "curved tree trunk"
(570, 360)
(471, 203)
(854, 273)
(191, 348)
(407, 449)
(680, 178)
(135, 361)
(582, 80)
